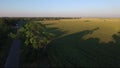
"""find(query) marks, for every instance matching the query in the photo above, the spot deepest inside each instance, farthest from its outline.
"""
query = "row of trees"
(14, 19)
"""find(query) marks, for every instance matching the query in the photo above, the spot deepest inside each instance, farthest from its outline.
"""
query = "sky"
(59, 8)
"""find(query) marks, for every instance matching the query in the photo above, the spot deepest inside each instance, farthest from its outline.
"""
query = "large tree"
(35, 34)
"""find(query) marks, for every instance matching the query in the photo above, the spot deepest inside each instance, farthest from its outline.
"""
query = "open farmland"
(107, 27)
(86, 42)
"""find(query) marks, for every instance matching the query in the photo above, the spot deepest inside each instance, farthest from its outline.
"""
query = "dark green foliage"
(12, 35)
(3, 30)
(11, 21)
(35, 34)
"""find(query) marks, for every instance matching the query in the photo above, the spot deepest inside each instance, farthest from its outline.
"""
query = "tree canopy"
(35, 34)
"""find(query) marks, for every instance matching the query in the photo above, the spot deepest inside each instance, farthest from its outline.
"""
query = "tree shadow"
(54, 30)
(49, 24)
(73, 51)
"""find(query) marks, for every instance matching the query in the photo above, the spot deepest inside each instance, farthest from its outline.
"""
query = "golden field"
(107, 27)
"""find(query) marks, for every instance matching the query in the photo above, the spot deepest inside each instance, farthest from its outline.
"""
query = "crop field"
(85, 42)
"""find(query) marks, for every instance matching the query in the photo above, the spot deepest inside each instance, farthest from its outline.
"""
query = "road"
(13, 57)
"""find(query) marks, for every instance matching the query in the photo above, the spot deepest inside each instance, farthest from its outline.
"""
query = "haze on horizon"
(59, 8)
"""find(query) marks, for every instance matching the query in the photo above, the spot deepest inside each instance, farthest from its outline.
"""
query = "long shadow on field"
(73, 51)
(58, 32)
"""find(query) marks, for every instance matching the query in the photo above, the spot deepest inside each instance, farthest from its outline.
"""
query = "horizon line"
(51, 17)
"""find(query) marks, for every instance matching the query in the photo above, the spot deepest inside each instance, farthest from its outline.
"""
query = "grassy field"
(107, 27)
(86, 42)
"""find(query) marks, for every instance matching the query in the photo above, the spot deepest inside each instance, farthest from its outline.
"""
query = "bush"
(12, 35)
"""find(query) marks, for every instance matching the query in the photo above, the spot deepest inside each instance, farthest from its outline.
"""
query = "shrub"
(12, 35)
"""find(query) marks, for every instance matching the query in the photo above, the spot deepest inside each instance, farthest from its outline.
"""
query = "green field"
(86, 42)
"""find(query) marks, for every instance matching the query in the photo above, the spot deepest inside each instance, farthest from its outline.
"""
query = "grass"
(85, 44)
(107, 28)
